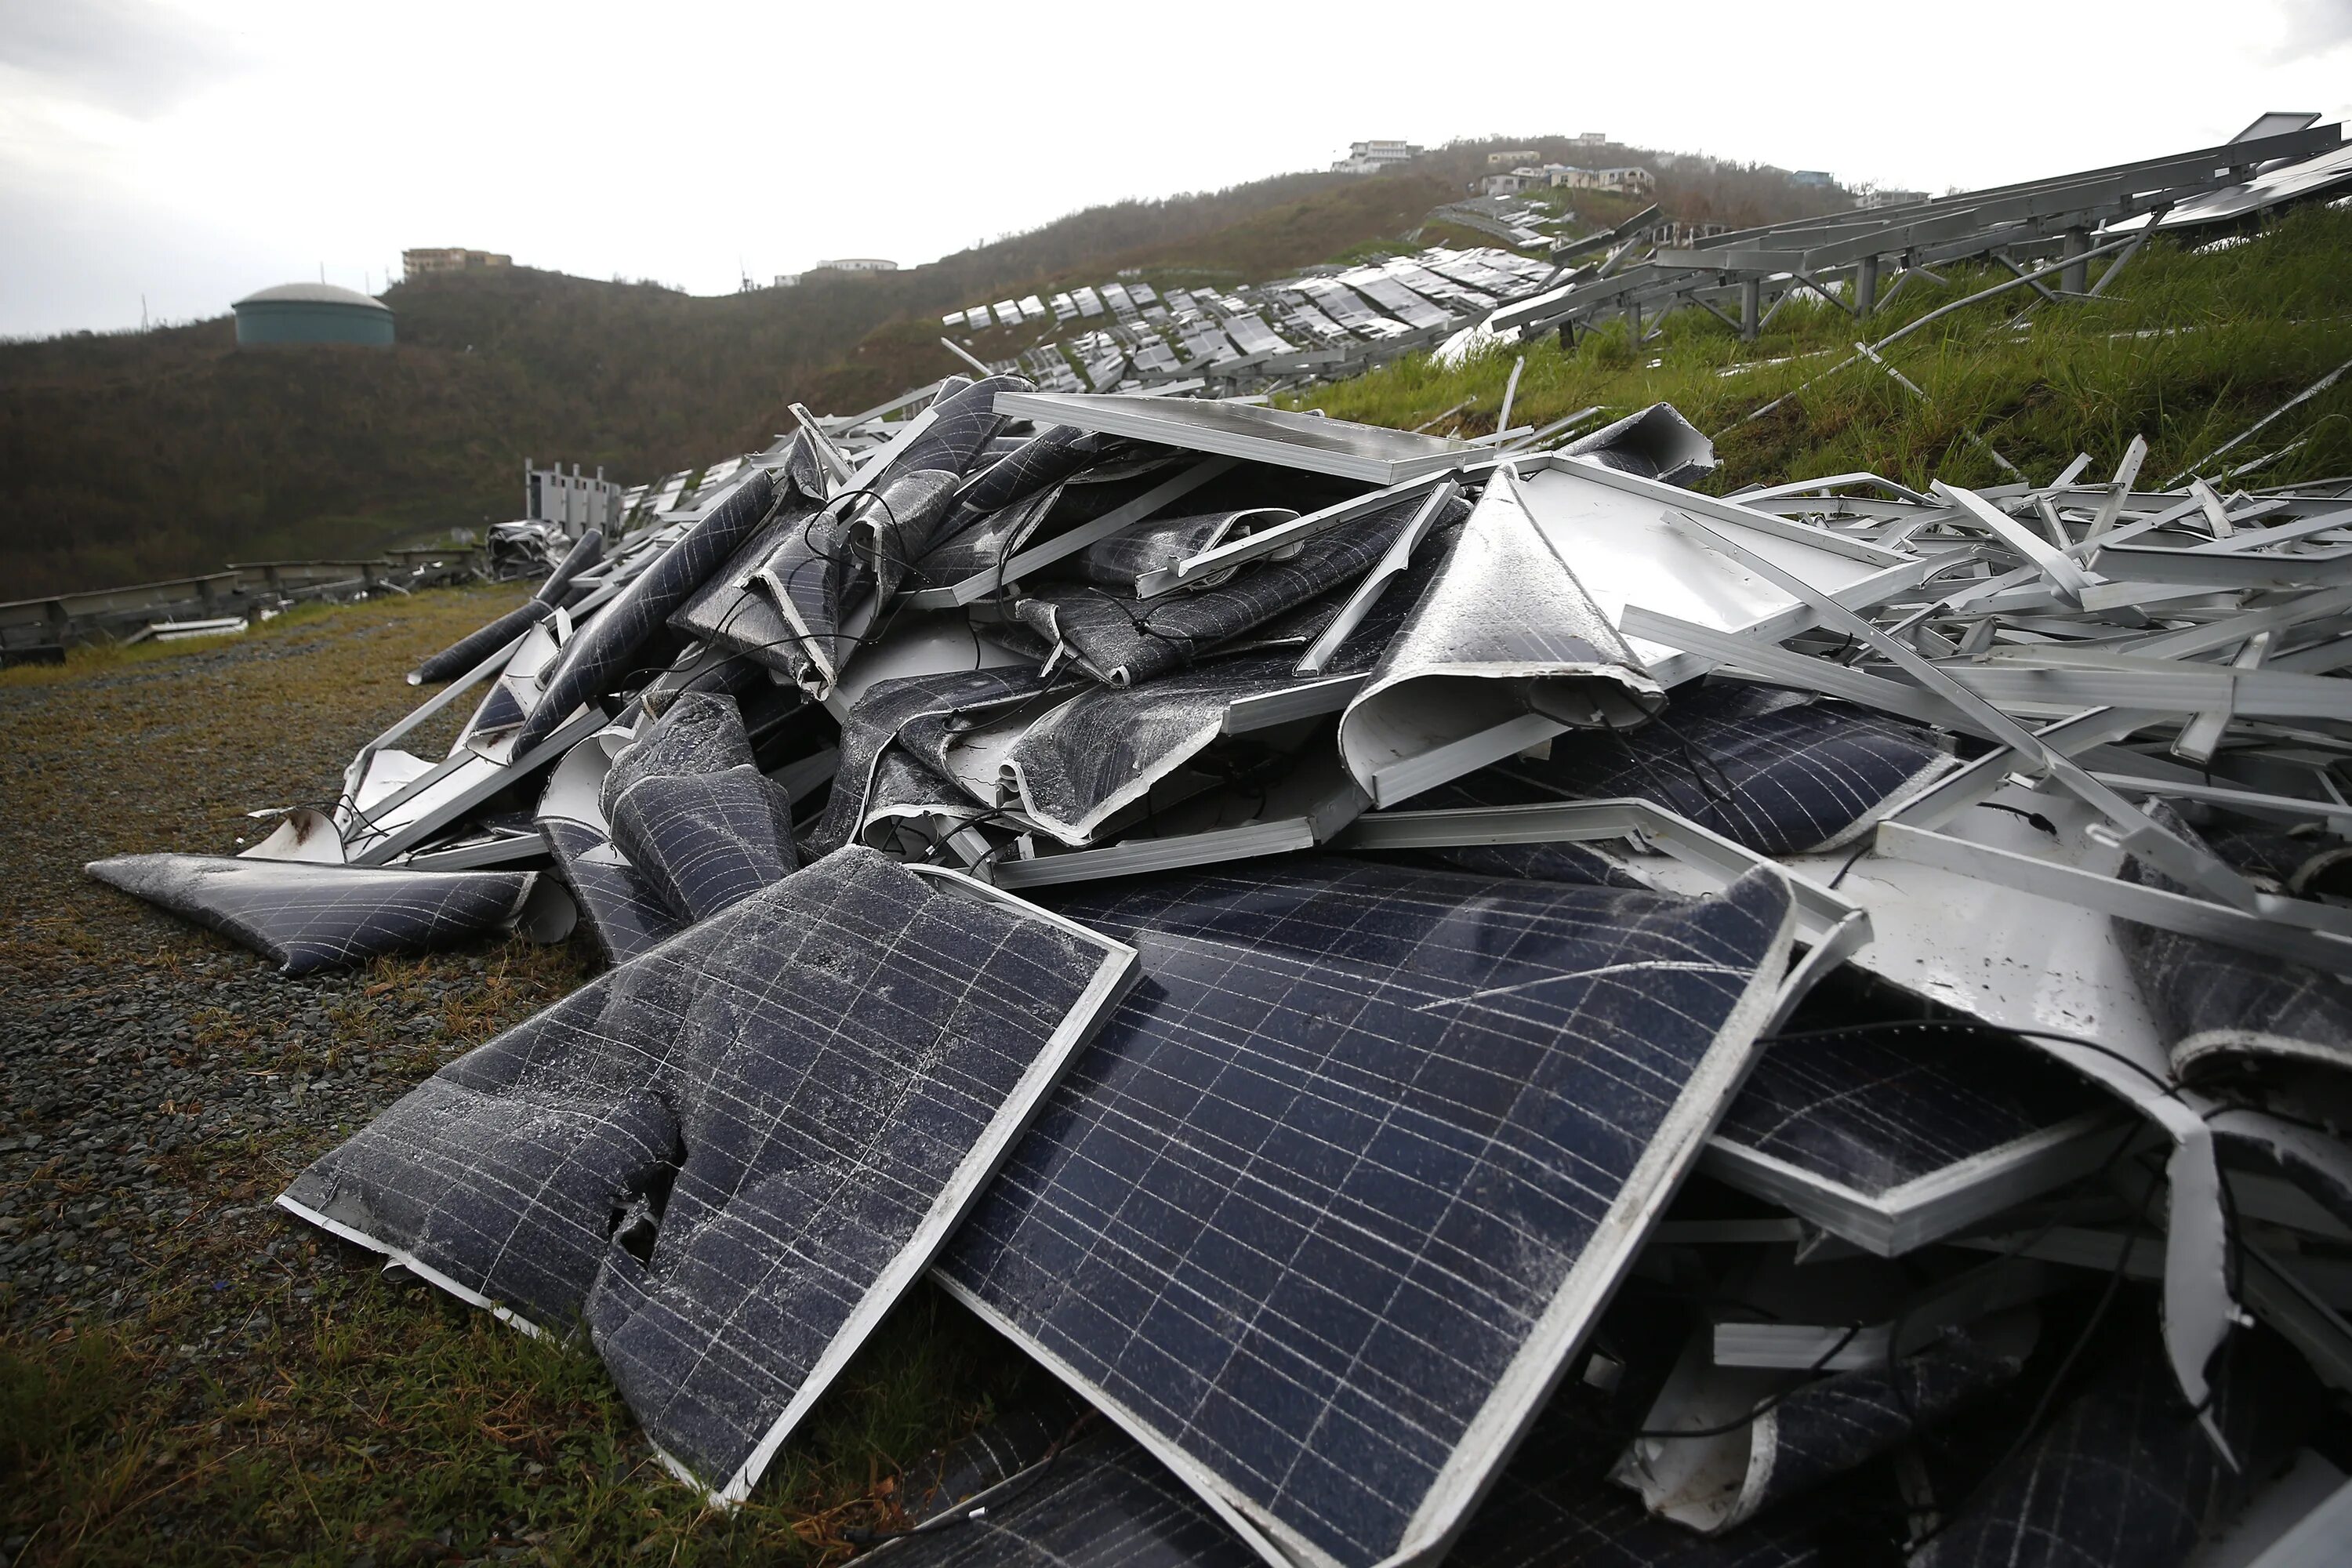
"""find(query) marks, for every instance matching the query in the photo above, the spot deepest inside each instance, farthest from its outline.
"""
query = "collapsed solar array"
(1465, 999)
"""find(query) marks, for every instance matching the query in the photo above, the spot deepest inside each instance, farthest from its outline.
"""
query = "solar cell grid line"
(1322, 1214)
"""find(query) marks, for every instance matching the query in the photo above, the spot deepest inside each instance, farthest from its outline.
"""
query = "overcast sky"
(192, 151)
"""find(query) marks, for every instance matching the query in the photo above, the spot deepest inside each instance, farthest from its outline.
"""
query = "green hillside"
(2187, 348)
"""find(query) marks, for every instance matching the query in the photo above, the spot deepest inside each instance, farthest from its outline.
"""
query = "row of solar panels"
(1121, 299)
(1383, 306)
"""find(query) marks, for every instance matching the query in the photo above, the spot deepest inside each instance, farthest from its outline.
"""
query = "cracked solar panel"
(307, 915)
(626, 912)
(727, 610)
(900, 513)
(606, 650)
(1166, 542)
(1877, 1109)
(1101, 1500)
(1122, 641)
(1766, 769)
(692, 811)
(1327, 1208)
(884, 709)
(1801, 1433)
(1075, 767)
(730, 1156)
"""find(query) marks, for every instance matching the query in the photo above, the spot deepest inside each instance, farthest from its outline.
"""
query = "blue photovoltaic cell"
(1303, 1205)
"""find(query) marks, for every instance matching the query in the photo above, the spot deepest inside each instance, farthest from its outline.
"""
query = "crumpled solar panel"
(626, 912)
(1101, 1500)
(1083, 761)
(1118, 560)
(2226, 1010)
(308, 915)
(692, 811)
(1771, 770)
(1504, 633)
(1049, 457)
(889, 707)
(731, 1155)
(606, 650)
(725, 611)
(470, 650)
(1657, 443)
(1122, 641)
(2122, 1474)
(1349, 1175)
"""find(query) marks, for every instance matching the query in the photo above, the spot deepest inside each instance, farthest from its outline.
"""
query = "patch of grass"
(2191, 350)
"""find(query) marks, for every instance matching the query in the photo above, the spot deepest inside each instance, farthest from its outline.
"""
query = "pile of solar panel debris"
(1462, 999)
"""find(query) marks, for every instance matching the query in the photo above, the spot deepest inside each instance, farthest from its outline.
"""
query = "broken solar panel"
(1123, 642)
(611, 645)
(1891, 1134)
(1774, 770)
(1346, 1178)
(1722, 1442)
(306, 915)
(1097, 1501)
(2122, 1474)
(692, 811)
(624, 911)
(731, 1155)
(2229, 1012)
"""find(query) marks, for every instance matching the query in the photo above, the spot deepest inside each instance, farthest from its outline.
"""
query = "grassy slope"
(2188, 352)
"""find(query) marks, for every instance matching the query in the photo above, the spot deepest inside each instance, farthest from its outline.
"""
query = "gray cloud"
(2311, 27)
(132, 56)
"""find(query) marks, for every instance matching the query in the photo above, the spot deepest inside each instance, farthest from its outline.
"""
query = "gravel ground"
(186, 1373)
(156, 1069)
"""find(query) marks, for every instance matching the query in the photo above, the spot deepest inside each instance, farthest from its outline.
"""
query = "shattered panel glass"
(729, 1155)
(1346, 1151)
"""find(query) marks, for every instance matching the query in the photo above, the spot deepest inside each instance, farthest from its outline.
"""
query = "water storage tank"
(295, 313)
